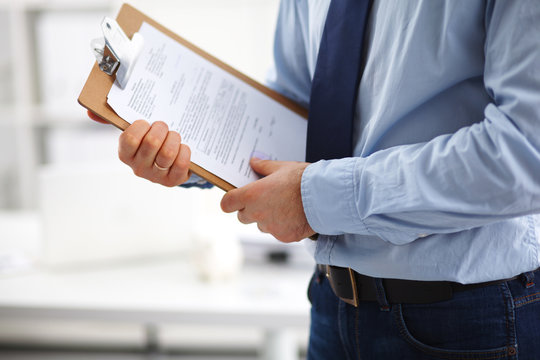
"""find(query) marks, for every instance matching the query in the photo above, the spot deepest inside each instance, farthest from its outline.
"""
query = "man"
(430, 223)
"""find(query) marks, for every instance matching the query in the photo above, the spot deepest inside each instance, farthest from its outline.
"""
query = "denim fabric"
(493, 322)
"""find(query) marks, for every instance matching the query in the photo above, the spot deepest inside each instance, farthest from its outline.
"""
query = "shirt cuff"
(328, 197)
(196, 181)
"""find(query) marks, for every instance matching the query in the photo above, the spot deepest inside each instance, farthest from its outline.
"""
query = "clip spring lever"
(115, 52)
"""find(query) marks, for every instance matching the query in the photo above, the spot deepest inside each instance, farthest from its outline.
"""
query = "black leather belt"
(353, 287)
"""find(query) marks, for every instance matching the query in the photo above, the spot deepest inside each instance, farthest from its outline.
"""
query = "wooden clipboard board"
(94, 93)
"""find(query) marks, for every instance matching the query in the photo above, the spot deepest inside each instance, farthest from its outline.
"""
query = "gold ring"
(161, 168)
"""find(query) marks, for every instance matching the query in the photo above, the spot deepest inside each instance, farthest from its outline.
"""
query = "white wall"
(240, 32)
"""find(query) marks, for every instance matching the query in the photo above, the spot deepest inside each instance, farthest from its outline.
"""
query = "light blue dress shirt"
(445, 179)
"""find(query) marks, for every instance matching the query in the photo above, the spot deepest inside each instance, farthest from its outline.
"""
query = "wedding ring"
(161, 168)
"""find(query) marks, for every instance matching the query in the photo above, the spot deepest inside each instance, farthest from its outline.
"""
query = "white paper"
(223, 120)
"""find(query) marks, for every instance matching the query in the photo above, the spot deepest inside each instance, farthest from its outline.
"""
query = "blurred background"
(97, 264)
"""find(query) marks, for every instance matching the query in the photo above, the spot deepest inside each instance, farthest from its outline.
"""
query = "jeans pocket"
(475, 324)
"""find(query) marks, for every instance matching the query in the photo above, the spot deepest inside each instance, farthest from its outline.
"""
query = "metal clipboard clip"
(115, 52)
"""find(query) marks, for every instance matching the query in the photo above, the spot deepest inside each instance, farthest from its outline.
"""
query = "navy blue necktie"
(335, 82)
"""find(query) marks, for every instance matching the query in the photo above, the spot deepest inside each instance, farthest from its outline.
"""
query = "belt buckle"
(335, 287)
(354, 288)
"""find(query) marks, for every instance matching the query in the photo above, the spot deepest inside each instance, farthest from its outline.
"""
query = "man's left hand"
(273, 202)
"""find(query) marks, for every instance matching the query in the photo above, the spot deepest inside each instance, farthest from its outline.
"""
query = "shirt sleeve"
(290, 73)
(481, 174)
(198, 182)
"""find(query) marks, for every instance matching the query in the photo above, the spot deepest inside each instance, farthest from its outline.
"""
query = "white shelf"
(164, 293)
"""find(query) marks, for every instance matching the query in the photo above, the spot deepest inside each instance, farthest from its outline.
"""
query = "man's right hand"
(154, 152)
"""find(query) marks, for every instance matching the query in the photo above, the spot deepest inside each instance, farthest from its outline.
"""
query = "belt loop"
(320, 273)
(528, 279)
(381, 294)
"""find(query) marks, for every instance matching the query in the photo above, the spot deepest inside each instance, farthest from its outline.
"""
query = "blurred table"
(167, 291)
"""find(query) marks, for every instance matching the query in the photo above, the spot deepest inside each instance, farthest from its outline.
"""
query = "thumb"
(265, 167)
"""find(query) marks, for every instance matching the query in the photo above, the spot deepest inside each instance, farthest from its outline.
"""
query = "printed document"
(224, 120)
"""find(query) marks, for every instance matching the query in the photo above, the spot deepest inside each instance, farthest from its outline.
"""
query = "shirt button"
(422, 235)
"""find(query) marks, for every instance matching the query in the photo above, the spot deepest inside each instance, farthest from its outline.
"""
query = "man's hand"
(155, 153)
(273, 202)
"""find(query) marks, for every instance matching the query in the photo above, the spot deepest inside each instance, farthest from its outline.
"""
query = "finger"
(150, 145)
(96, 118)
(265, 167)
(231, 201)
(179, 172)
(262, 229)
(131, 139)
(168, 152)
(244, 217)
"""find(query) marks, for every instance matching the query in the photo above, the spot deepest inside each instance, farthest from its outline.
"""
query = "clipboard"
(96, 89)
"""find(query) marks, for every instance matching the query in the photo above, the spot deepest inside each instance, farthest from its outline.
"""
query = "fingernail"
(260, 155)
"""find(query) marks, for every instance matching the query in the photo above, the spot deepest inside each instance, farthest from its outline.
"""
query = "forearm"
(483, 173)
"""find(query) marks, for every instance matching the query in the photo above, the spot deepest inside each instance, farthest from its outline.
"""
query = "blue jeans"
(493, 322)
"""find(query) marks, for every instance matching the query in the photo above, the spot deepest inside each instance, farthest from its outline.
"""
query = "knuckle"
(168, 154)
(129, 140)
(144, 152)
(153, 142)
